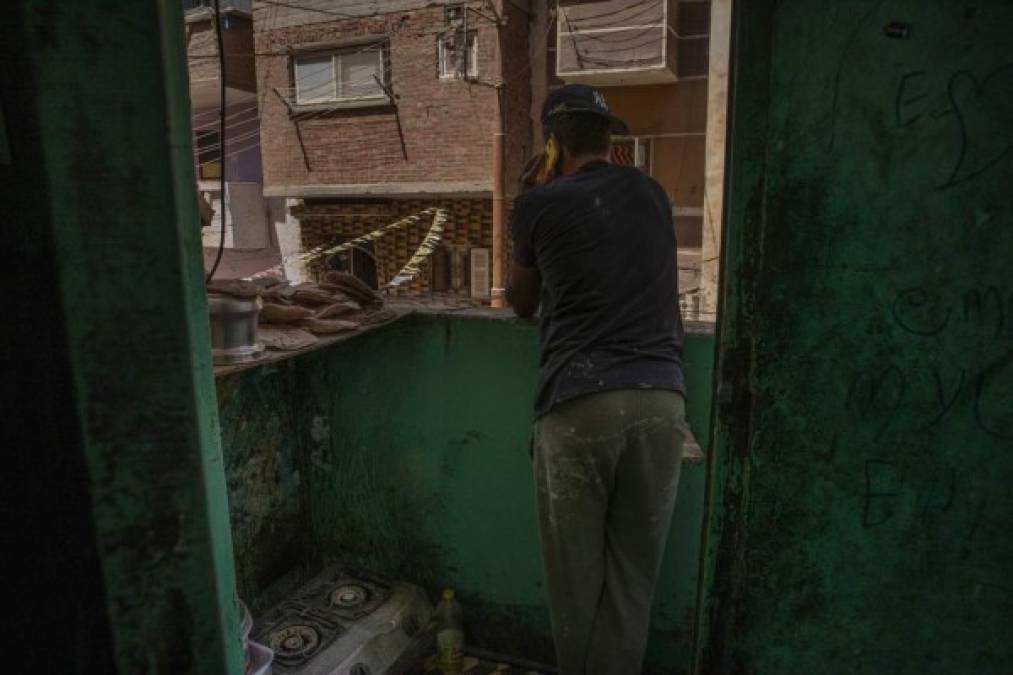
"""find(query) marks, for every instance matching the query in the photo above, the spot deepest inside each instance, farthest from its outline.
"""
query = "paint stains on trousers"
(606, 472)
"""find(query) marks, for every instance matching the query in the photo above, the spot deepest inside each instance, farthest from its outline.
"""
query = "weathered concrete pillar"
(119, 524)
(714, 162)
(288, 232)
(538, 38)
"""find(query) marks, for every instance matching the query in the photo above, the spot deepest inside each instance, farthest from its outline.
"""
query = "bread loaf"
(328, 326)
(275, 313)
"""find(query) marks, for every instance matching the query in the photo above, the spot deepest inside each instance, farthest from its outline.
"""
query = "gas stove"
(344, 622)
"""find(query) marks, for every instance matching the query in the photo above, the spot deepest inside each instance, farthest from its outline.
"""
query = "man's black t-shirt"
(603, 240)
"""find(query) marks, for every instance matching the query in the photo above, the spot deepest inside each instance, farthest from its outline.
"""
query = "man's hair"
(581, 133)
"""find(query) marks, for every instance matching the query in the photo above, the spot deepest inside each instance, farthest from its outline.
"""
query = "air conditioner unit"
(480, 274)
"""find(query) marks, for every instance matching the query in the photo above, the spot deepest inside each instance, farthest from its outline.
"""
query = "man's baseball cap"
(573, 98)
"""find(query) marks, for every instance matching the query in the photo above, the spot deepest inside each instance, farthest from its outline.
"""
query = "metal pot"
(234, 329)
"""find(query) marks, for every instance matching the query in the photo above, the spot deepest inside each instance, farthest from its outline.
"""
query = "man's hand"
(524, 290)
(535, 172)
(529, 174)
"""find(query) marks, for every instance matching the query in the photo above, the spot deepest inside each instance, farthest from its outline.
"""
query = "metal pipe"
(499, 250)
(498, 291)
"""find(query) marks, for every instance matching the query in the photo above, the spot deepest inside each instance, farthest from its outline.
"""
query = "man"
(594, 245)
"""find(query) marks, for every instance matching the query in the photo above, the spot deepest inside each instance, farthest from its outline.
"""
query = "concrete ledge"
(337, 106)
(395, 190)
(693, 452)
(199, 14)
(403, 310)
(431, 308)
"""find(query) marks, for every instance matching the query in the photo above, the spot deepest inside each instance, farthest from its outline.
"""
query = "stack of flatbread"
(294, 315)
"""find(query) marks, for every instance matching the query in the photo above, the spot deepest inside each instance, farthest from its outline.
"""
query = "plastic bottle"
(449, 634)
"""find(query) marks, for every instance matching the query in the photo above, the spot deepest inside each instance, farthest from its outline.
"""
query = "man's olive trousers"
(606, 472)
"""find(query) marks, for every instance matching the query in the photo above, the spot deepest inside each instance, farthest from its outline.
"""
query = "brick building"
(246, 211)
(374, 110)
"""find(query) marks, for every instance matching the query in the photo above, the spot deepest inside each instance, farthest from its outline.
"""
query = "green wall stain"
(863, 482)
(115, 158)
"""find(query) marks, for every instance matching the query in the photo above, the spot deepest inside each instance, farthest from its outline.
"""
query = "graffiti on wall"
(981, 108)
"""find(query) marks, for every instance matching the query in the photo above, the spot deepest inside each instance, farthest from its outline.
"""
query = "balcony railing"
(623, 42)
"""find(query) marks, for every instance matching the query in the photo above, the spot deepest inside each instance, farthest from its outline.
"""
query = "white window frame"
(449, 71)
(335, 56)
(643, 151)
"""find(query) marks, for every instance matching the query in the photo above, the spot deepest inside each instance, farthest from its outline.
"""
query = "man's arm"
(524, 290)
(524, 287)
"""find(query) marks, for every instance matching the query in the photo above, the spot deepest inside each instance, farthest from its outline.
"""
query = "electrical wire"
(242, 136)
(221, 136)
(270, 26)
(238, 133)
(230, 154)
(405, 72)
(651, 40)
(619, 37)
(528, 65)
(401, 73)
(235, 141)
(305, 8)
(288, 53)
(248, 106)
(315, 114)
(647, 5)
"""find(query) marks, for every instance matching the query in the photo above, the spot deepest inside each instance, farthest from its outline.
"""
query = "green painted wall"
(115, 375)
(860, 505)
(264, 421)
(410, 449)
(49, 544)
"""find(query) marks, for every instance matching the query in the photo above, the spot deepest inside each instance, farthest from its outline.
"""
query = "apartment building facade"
(650, 59)
(245, 211)
(372, 111)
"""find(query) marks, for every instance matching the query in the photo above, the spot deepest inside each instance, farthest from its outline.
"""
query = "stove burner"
(294, 642)
(350, 596)
(306, 626)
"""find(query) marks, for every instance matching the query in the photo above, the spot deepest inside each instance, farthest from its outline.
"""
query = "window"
(633, 151)
(346, 76)
(453, 47)
(453, 15)
(209, 155)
